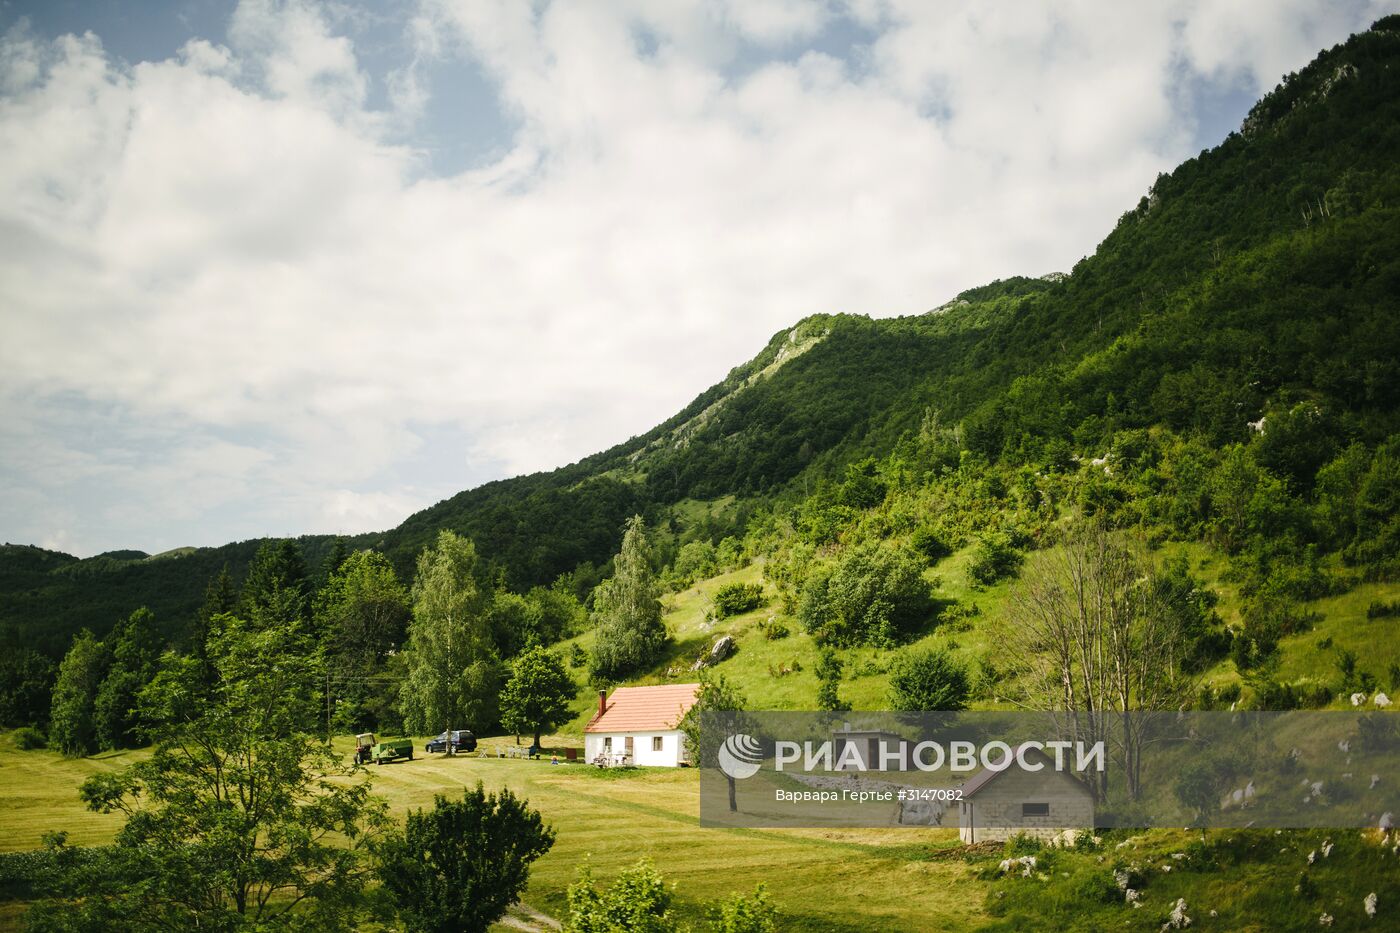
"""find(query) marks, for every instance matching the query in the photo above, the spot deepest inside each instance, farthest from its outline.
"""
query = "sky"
(274, 268)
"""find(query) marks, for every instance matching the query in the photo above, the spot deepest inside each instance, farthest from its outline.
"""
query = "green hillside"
(1256, 281)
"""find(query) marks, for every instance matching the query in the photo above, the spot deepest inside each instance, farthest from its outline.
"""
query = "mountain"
(1260, 276)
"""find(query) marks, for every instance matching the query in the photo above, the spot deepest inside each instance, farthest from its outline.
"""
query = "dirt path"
(524, 917)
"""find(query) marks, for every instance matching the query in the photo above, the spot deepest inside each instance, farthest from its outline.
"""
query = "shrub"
(930, 544)
(577, 656)
(994, 559)
(29, 738)
(873, 595)
(776, 631)
(928, 680)
(433, 869)
(1380, 610)
(638, 901)
(735, 598)
(746, 914)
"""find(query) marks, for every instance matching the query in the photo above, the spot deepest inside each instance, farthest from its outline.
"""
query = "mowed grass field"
(828, 880)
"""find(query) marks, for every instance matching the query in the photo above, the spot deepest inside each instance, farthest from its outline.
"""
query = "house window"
(607, 743)
(656, 743)
(1035, 809)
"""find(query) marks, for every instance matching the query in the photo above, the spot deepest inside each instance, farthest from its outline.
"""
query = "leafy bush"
(874, 595)
(638, 901)
(1380, 610)
(746, 914)
(994, 559)
(776, 631)
(930, 544)
(928, 680)
(28, 738)
(433, 869)
(733, 599)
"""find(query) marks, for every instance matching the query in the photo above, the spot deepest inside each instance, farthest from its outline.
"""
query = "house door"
(627, 748)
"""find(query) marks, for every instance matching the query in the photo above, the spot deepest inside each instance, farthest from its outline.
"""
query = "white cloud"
(233, 256)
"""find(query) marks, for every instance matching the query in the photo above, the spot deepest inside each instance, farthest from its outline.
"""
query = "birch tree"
(1092, 645)
(453, 668)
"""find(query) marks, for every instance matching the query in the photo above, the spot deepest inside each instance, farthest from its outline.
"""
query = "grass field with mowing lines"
(821, 880)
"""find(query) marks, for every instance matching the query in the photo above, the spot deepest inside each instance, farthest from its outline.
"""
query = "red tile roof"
(644, 709)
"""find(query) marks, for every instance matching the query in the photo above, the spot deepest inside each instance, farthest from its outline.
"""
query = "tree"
(362, 616)
(134, 648)
(220, 598)
(26, 687)
(631, 634)
(638, 901)
(456, 868)
(453, 670)
(928, 680)
(873, 595)
(829, 668)
(71, 727)
(275, 589)
(716, 695)
(1091, 641)
(537, 695)
(240, 818)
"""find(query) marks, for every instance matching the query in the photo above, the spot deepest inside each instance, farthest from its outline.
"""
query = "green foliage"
(536, 698)
(456, 868)
(28, 738)
(829, 668)
(239, 819)
(72, 729)
(716, 695)
(733, 599)
(995, 558)
(276, 588)
(928, 680)
(26, 685)
(928, 542)
(631, 634)
(453, 671)
(638, 901)
(872, 595)
(754, 914)
(134, 647)
(362, 615)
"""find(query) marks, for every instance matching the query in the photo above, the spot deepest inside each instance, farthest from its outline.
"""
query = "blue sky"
(281, 266)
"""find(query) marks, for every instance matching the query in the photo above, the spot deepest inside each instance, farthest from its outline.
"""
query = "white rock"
(1345, 744)
(1178, 919)
(1326, 848)
(1369, 904)
(1381, 700)
(1375, 779)
(1387, 821)
(1325, 920)
(1357, 699)
(1312, 856)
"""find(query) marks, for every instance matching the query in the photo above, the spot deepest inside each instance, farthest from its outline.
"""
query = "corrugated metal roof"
(643, 709)
(984, 777)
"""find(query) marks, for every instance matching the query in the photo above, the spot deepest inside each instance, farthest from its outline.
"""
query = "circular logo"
(740, 756)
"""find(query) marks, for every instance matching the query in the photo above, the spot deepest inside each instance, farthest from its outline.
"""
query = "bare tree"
(1092, 645)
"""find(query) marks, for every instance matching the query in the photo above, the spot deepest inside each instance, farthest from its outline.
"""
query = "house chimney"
(602, 702)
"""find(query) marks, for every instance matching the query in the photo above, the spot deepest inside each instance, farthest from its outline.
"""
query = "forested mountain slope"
(1257, 280)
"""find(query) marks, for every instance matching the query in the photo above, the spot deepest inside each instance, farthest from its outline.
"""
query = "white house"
(997, 805)
(638, 726)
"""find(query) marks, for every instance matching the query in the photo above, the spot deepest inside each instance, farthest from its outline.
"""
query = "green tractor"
(392, 750)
